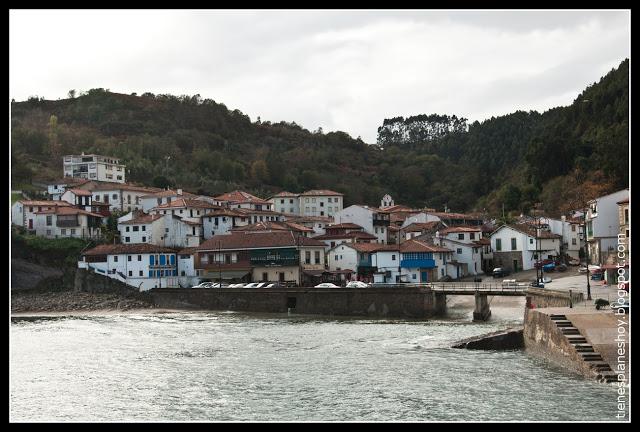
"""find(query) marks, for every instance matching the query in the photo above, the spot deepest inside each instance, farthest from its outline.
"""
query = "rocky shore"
(66, 301)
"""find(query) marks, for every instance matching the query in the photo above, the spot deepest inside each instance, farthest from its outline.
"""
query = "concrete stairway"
(601, 369)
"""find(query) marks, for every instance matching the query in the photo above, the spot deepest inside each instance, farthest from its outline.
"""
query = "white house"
(320, 203)
(243, 200)
(466, 253)
(370, 262)
(222, 221)
(286, 202)
(422, 261)
(56, 188)
(387, 263)
(94, 167)
(77, 197)
(571, 232)
(187, 274)
(62, 221)
(373, 220)
(603, 226)
(23, 212)
(152, 200)
(141, 265)
(516, 247)
(160, 229)
(185, 208)
(119, 197)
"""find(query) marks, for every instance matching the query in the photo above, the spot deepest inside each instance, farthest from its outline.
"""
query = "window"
(127, 229)
(166, 230)
(128, 257)
(472, 236)
(139, 257)
(114, 196)
(144, 239)
(626, 216)
(115, 258)
(413, 276)
(140, 273)
(48, 232)
(144, 227)
(182, 273)
(321, 204)
(573, 228)
(573, 241)
(63, 231)
(291, 201)
(498, 245)
(336, 256)
(281, 201)
(136, 228)
(393, 257)
(461, 236)
(49, 220)
(626, 233)
(130, 273)
(73, 231)
(317, 257)
(313, 200)
(307, 257)
(513, 244)
(459, 251)
(126, 240)
(530, 241)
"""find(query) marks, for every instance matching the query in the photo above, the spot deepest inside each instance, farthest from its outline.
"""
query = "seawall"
(407, 302)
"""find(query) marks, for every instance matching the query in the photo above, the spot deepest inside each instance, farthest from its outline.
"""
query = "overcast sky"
(339, 70)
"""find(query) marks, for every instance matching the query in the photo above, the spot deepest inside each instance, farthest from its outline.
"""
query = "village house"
(155, 199)
(422, 261)
(317, 223)
(416, 229)
(366, 260)
(345, 233)
(286, 202)
(516, 247)
(187, 275)
(94, 167)
(23, 212)
(221, 221)
(259, 256)
(185, 208)
(63, 221)
(56, 188)
(603, 226)
(242, 200)
(140, 265)
(159, 229)
(373, 220)
(321, 203)
(466, 253)
(122, 198)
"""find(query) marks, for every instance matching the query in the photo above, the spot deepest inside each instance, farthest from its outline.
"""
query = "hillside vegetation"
(426, 160)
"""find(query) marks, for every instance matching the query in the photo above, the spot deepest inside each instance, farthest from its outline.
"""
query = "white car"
(237, 285)
(357, 284)
(202, 285)
(327, 285)
(252, 285)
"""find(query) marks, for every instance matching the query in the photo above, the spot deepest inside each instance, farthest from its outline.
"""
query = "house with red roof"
(67, 221)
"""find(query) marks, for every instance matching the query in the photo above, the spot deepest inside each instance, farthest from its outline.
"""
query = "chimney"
(564, 218)
(179, 191)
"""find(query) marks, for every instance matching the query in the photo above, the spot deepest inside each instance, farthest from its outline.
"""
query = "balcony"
(67, 223)
(418, 263)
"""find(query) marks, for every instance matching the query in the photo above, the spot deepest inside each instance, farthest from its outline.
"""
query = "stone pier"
(482, 311)
(440, 303)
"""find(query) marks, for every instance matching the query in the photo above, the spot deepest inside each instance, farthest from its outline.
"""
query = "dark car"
(500, 272)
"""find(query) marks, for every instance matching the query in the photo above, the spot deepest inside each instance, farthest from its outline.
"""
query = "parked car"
(236, 285)
(574, 262)
(549, 267)
(544, 262)
(202, 285)
(327, 285)
(582, 270)
(600, 303)
(357, 284)
(546, 279)
(252, 285)
(500, 272)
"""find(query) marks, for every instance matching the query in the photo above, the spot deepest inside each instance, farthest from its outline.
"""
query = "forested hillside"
(424, 160)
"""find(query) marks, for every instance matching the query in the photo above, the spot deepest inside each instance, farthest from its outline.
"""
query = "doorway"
(515, 266)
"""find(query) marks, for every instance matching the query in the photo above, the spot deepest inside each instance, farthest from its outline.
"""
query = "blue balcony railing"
(418, 263)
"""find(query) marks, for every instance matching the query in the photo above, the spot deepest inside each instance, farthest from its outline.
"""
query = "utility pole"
(586, 254)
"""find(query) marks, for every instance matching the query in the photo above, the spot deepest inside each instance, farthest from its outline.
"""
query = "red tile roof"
(187, 202)
(42, 203)
(460, 229)
(225, 212)
(94, 185)
(118, 249)
(530, 230)
(449, 215)
(626, 200)
(285, 194)
(80, 192)
(398, 208)
(241, 197)
(346, 225)
(62, 211)
(359, 235)
(421, 226)
(372, 247)
(321, 192)
(248, 240)
(421, 246)
(142, 219)
(168, 193)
